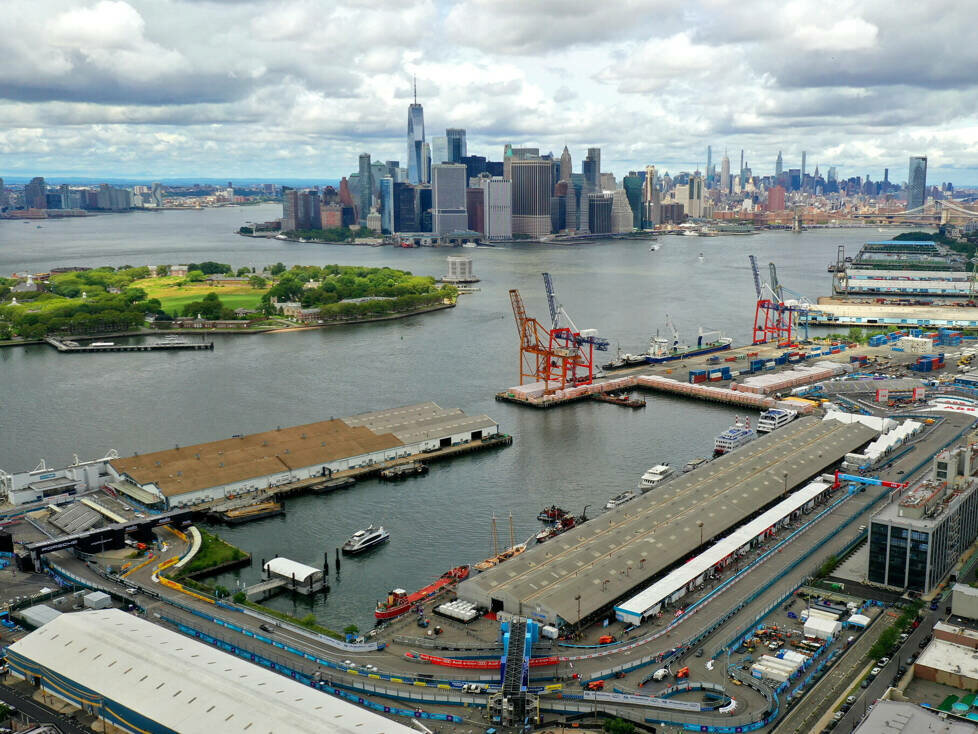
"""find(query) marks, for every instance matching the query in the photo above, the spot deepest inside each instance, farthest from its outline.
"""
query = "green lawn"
(174, 304)
(213, 552)
(173, 297)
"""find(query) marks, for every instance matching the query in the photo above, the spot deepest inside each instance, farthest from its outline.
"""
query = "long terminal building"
(583, 573)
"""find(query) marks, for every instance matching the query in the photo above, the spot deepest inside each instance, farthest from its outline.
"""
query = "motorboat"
(619, 499)
(694, 464)
(366, 539)
(655, 476)
(654, 248)
(775, 418)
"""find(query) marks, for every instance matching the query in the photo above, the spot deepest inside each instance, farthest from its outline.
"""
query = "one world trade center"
(415, 142)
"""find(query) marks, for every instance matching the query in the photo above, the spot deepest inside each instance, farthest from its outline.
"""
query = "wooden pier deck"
(65, 347)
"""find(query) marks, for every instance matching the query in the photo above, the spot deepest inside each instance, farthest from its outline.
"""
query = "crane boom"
(757, 275)
(775, 285)
(551, 299)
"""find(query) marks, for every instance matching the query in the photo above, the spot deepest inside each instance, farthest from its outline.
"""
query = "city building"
(439, 150)
(775, 199)
(599, 214)
(405, 208)
(632, 184)
(182, 476)
(622, 217)
(591, 168)
(417, 168)
(290, 209)
(365, 189)
(448, 198)
(917, 182)
(725, 174)
(904, 717)
(690, 195)
(531, 196)
(511, 154)
(475, 165)
(143, 678)
(456, 144)
(35, 194)
(778, 165)
(916, 538)
(566, 165)
(498, 207)
(156, 196)
(387, 205)
(475, 206)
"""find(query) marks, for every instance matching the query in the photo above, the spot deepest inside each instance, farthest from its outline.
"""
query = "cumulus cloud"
(300, 87)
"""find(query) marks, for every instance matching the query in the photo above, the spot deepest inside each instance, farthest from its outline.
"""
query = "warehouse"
(143, 678)
(582, 573)
(188, 475)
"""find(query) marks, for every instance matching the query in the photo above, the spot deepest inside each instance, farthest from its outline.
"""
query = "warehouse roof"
(609, 556)
(183, 684)
(904, 717)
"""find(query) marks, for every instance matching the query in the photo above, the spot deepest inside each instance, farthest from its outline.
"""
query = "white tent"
(822, 628)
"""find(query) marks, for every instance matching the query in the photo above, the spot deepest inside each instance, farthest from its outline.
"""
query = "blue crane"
(557, 310)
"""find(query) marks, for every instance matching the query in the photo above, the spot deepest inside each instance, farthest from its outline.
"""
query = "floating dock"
(67, 346)
(258, 511)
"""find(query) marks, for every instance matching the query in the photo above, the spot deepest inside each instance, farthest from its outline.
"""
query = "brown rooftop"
(191, 468)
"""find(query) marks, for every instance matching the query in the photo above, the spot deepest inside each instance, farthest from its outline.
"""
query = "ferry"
(655, 476)
(363, 540)
(772, 420)
(694, 464)
(103, 344)
(739, 434)
(399, 601)
(619, 499)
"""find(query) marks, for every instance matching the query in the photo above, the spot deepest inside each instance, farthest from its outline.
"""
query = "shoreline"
(243, 332)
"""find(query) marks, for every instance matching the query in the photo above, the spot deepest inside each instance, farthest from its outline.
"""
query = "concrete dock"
(67, 346)
(836, 312)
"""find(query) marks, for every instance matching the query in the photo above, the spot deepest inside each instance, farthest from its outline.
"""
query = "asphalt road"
(37, 712)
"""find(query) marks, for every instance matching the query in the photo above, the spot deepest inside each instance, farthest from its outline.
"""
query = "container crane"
(774, 317)
(564, 334)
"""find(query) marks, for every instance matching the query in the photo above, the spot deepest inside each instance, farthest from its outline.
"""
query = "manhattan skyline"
(267, 90)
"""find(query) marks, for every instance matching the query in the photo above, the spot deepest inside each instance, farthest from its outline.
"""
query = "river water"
(54, 405)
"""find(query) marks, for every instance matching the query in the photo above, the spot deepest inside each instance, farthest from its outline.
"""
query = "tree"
(239, 597)
(618, 726)
(162, 270)
(221, 592)
(277, 269)
(196, 276)
(241, 272)
(351, 629)
(256, 281)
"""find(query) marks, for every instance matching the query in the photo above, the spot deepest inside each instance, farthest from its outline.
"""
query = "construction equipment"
(775, 317)
(545, 359)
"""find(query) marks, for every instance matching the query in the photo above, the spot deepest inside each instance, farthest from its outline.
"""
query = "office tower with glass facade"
(531, 196)
(498, 207)
(387, 204)
(417, 171)
(632, 184)
(779, 165)
(456, 144)
(917, 182)
(35, 194)
(599, 214)
(591, 168)
(448, 198)
(916, 539)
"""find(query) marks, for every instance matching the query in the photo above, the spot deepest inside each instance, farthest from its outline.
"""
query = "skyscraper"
(425, 163)
(157, 195)
(498, 207)
(366, 189)
(566, 165)
(804, 155)
(3, 196)
(531, 196)
(917, 182)
(622, 217)
(775, 199)
(632, 184)
(778, 165)
(456, 144)
(387, 204)
(740, 171)
(290, 209)
(709, 161)
(439, 150)
(591, 168)
(417, 173)
(448, 198)
(35, 194)
(725, 174)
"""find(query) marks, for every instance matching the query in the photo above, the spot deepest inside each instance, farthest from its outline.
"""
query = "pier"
(68, 346)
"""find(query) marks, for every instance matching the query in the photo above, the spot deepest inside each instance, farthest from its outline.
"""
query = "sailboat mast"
(495, 538)
(512, 536)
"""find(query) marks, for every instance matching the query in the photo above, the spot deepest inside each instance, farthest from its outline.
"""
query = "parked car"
(875, 672)
(882, 661)
(851, 700)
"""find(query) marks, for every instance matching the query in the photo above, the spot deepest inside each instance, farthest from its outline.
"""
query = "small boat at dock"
(399, 601)
(403, 471)
(551, 514)
(693, 464)
(655, 476)
(363, 540)
(623, 399)
(620, 499)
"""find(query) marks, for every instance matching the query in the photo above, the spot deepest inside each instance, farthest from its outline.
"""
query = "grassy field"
(213, 552)
(173, 297)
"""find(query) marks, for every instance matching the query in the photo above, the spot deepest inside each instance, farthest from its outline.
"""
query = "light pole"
(578, 600)
(786, 482)
(699, 524)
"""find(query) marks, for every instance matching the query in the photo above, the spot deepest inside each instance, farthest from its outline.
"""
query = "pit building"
(581, 574)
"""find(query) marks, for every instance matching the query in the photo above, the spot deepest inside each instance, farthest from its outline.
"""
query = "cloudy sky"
(272, 89)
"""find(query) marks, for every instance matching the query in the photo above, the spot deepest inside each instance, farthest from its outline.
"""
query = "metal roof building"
(586, 570)
(144, 678)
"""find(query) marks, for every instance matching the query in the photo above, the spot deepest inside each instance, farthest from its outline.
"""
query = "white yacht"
(363, 540)
(655, 476)
(775, 418)
(619, 499)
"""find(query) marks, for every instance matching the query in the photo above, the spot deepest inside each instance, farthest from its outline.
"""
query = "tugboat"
(551, 514)
(363, 540)
(565, 524)
(399, 601)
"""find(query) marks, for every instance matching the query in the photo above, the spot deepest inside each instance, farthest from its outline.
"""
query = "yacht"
(655, 476)
(772, 420)
(619, 499)
(363, 540)
(694, 464)
(739, 434)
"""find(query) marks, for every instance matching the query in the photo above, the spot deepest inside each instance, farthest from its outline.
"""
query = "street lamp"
(699, 524)
(578, 600)
(786, 482)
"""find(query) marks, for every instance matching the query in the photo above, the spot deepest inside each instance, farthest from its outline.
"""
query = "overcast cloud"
(298, 88)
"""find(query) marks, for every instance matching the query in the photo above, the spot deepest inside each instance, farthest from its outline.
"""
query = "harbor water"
(55, 405)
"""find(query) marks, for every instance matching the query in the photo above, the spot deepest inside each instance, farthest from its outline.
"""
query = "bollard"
(337, 561)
